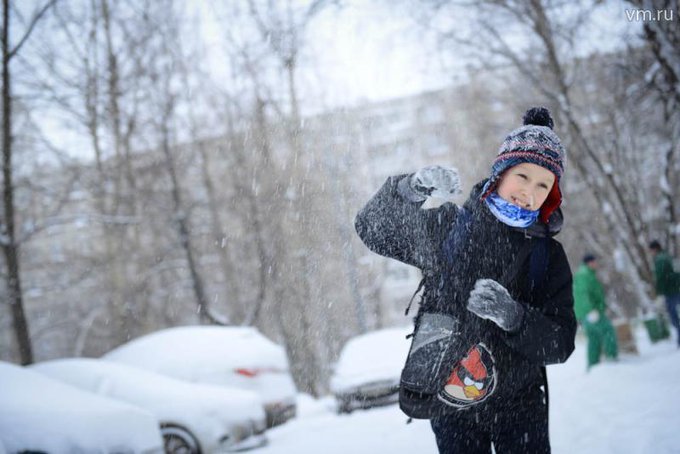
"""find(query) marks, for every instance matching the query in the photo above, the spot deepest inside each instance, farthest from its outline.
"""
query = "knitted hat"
(536, 143)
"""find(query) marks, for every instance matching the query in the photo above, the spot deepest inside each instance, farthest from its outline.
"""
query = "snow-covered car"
(194, 418)
(239, 357)
(368, 370)
(38, 414)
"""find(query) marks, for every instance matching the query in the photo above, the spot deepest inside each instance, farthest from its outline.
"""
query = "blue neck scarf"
(510, 214)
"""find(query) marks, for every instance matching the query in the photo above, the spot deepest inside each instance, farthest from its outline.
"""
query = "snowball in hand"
(436, 181)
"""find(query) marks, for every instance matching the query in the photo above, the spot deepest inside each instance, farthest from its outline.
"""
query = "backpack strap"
(420, 286)
(539, 262)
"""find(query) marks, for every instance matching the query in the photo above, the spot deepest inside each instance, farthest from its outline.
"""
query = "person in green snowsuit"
(590, 307)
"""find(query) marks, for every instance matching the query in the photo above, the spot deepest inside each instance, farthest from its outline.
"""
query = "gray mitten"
(491, 301)
(431, 181)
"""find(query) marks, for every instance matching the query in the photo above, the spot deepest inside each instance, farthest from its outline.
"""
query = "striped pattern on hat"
(531, 143)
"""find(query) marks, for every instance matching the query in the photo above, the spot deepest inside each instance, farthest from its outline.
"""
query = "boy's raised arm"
(394, 225)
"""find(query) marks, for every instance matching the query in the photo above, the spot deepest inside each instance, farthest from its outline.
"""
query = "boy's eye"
(522, 176)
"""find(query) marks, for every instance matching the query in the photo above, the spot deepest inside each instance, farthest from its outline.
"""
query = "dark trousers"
(511, 432)
(672, 302)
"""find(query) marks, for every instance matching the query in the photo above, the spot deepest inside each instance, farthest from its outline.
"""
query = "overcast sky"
(365, 50)
(372, 49)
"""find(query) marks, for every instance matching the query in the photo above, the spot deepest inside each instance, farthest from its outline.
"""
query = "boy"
(508, 330)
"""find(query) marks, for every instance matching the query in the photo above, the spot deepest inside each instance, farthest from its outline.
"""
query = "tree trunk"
(203, 307)
(231, 286)
(9, 244)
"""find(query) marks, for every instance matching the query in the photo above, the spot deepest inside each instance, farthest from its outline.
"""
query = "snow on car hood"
(206, 410)
(40, 414)
(371, 357)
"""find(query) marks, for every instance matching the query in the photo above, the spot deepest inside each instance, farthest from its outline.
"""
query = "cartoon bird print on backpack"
(472, 380)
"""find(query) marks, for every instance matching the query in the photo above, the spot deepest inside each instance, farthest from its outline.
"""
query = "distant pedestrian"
(667, 283)
(591, 312)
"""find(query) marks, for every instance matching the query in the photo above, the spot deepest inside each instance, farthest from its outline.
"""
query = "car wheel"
(344, 406)
(177, 440)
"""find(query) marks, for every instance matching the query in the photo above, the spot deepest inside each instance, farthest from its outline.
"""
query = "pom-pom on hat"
(536, 143)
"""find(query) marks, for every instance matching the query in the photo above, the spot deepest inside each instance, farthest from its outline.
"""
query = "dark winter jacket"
(453, 254)
(667, 279)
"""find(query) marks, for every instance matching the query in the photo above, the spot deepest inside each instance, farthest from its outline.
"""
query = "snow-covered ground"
(631, 406)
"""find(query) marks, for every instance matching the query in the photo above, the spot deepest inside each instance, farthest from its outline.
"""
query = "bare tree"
(266, 54)
(9, 244)
(662, 75)
(98, 76)
(165, 101)
(258, 166)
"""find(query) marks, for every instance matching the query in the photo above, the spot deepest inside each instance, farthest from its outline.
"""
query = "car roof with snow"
(200, 347)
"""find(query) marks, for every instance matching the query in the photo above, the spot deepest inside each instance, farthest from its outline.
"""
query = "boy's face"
(526, 185)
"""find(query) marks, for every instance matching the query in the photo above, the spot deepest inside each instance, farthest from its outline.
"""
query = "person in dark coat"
(667, 283)
(509, 328)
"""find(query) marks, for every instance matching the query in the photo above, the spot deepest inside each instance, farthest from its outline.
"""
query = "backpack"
(443, 373)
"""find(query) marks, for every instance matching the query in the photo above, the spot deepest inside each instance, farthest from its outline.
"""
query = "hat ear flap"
(551, 203)
(493, 183)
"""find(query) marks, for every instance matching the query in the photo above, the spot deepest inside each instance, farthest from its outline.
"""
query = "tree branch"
(31, 26)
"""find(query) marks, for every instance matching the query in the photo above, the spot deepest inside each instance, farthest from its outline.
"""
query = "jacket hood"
(538, 229)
